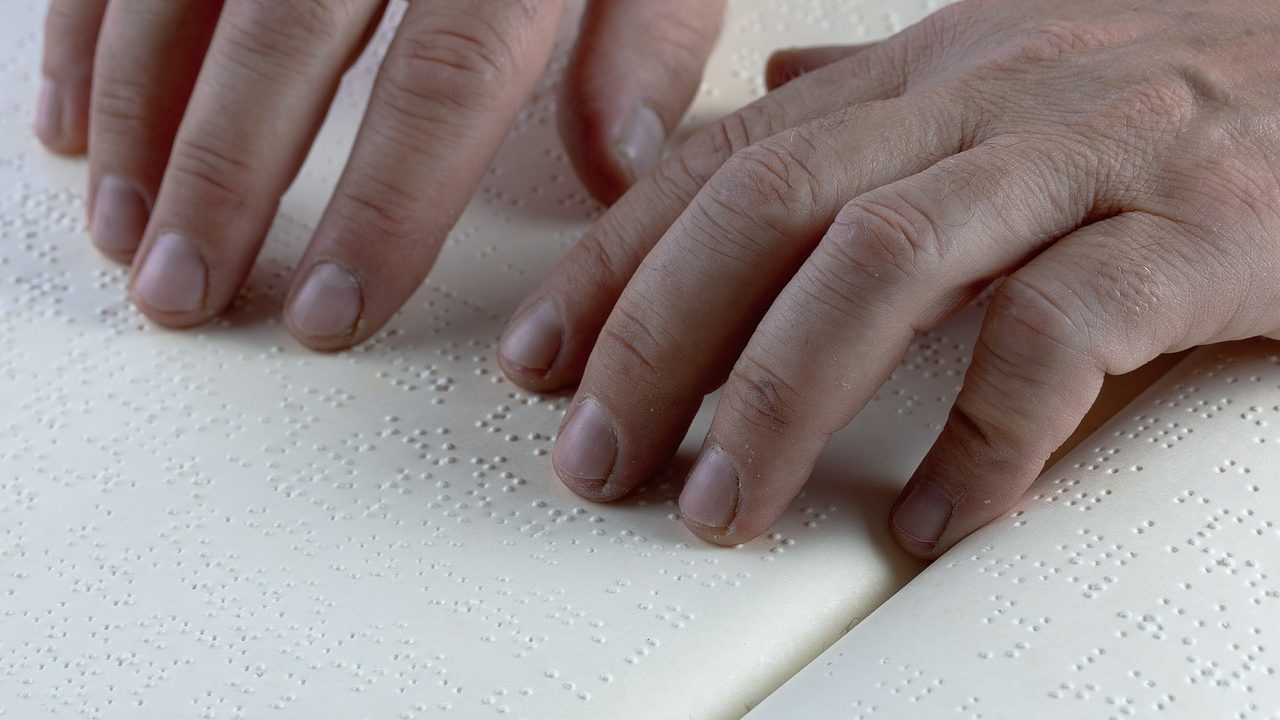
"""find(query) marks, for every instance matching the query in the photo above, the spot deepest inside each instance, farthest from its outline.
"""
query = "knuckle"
(1132, 117)
(883, 239)
(378, 208)
(987, 427)
(707, 150)
(771, 173)
(761, 397)
(119, 105)
(1032, 318)
(633, 347)
(1042, 42)
(1064, 36)
(275, 29)
(450, 62)
(596, 256)
(212, 171)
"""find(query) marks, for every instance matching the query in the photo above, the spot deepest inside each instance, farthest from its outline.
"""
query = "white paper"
(220, 524)
(1138, 578)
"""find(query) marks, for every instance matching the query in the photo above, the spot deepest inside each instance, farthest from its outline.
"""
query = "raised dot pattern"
(1136, 579)
(220, 524)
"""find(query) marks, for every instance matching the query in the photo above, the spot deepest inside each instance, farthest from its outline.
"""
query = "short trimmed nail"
(710, 495)
(173, 276)
(328, 304)
(533, 340)
(639, 143)
(587, 445)
(50, 111)
(923, 514)
(119, 216)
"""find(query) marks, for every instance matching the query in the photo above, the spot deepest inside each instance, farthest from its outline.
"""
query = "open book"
(221, 524)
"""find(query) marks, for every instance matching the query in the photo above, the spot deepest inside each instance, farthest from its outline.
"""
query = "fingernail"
(49, 114)
(923, 514)
(328, 304)
(710, 495)
(119, 216)
(533, 340)
(587, 446)
(639, 143)
(173, 275)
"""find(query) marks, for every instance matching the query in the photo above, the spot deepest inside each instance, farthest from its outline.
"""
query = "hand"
(198, 114)
(1117, 164)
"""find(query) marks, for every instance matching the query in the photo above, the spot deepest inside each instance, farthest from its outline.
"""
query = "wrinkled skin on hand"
(1116, 164)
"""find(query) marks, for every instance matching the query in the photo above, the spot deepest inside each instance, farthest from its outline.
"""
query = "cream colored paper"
(1138, 578)
(220, 524)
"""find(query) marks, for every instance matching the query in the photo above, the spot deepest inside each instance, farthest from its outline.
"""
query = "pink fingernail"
(587, 446)
(119, 216)
(50, 111)
(328, 304)
(639, 143)
(924, 513)
(173, 276)
(710, 495)
(533, 340)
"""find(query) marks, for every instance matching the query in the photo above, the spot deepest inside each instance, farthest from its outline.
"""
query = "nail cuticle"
(712, 494)
(328, 304)
(587, 446)
(173, 276)
(533, 341)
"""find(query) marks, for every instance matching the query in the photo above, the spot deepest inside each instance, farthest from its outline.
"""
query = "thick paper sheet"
(1137, 579)
(220, 524)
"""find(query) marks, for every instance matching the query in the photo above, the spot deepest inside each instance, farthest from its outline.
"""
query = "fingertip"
(61, 122)
(118, 218)
(921, 515)
(593, 138)
(714, 535)
(586, 451)
(170, 284)
(532, 340)
(535, 352)
(325, 306)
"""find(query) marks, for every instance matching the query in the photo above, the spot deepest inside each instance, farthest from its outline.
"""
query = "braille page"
(1138, 578)
(221, 524)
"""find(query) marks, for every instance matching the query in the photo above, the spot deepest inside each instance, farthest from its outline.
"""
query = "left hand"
(1117, 164)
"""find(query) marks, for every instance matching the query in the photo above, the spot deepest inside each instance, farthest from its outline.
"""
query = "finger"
(270, 72)
(454, 79)
(62, 111)
(547, 343)
(691, 306)
(897, 259)
(787, 65)
(136, 109)
(1104, 300)
(633, 73)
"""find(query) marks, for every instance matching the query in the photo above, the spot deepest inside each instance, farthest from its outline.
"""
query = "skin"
(197, 115)
(1113, 164)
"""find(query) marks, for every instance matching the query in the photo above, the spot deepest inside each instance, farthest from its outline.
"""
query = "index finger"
(450, 87)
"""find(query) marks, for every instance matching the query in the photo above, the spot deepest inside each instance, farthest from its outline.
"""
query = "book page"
(1138, 578)
(218, 523)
